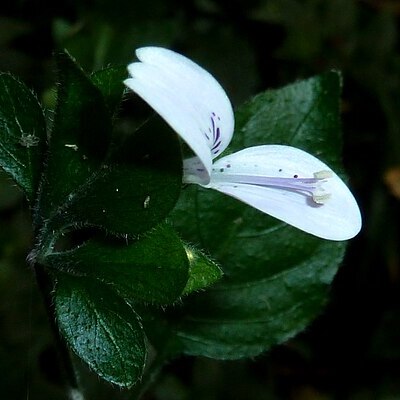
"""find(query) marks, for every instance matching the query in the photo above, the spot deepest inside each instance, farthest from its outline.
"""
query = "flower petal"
(190, 100)
(337, 219)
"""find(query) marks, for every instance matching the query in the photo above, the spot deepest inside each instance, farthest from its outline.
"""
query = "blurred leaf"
(153, 269)
(101, 328)
(226, 53)
(22, 134)
(11, 28)
(276, 277)
(203, 272)
(10, 195)
(96, 41)
(391, 178)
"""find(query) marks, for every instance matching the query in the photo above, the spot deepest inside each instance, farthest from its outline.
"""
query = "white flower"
(282, 181)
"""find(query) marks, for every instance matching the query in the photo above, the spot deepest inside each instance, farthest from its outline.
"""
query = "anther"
(323, 174)
(321, 198)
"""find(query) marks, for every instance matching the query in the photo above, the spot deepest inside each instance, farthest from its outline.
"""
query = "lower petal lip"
(328, 211)
(326, 221)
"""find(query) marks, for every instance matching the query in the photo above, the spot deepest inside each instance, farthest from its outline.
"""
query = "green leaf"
(129, 191)
(79, 139)
(303, 115)
(110, 82)
(101, 328)
(22, 134)
(153, 269)
(136, 190)
(276, 278)
(243, 318)
(203, 272)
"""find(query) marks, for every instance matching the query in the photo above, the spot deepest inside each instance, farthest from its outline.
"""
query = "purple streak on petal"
(218, 134)
(216, 145)
(213, 128)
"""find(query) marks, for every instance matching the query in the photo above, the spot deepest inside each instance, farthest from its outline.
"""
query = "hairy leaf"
(123, 190)
(79, 139)
(110, 82)
(153, 269)
(203, 272)
(22, 134)
(101, 328)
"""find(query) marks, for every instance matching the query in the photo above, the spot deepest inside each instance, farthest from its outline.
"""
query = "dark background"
(352, 351)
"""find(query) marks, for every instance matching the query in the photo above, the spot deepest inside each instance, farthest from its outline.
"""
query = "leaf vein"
(313, 105)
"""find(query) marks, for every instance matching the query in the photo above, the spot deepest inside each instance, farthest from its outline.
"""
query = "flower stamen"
(308, 186)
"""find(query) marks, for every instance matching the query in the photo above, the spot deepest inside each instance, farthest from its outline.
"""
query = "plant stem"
(148, 379)
(46, 286)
